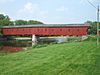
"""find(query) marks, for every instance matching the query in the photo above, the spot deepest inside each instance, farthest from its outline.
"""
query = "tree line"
(5, 21)
(92, 27)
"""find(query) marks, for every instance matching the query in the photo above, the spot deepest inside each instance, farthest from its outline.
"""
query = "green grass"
(77, 58)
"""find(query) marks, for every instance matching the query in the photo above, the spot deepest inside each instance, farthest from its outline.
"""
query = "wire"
(92, 4)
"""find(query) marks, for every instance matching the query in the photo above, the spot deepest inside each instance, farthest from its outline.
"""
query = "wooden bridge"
(46, 29)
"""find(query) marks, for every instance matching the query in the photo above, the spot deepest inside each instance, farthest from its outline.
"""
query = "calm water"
(18, 45)
(14, 46)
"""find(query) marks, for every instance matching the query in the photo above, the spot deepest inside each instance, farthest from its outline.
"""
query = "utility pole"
(98, 25)
(97, 8)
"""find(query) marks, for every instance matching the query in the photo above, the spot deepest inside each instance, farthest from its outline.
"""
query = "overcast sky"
(50, 11)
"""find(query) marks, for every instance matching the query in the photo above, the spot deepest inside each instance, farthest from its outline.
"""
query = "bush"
(91, 38)
(39, 45)
(73, 38)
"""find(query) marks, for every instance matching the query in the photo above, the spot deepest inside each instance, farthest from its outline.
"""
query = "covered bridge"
(47, 29)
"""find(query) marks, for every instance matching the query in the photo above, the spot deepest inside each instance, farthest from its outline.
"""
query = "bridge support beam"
(34, 40)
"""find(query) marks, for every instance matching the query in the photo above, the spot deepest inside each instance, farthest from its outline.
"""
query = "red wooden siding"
(0, 30)
(64, 30)
(99, 32)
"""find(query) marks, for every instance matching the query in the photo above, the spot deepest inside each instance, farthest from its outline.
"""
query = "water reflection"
(14, 45)
(18, 45)
(10, 49)
(52, 39)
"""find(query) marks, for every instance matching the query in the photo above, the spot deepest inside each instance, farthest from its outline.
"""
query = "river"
(18, 45)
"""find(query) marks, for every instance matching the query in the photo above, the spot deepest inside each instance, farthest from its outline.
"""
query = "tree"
(5, 20)
(24, 22)
(5, 23)
(2, 17)
(34, 22)
(92, 28)
(20, 22)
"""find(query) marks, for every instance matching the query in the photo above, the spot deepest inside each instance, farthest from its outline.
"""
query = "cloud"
(5, 1)
(31, 11)
(29, 8)
(62, 8)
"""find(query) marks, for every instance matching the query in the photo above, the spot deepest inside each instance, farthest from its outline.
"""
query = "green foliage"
(24, 22)
(5, 20)
(39, 45)
(73, 39)
(91, 38)
(6, 23)
(2, 17)
(93, 27)
(30, 22)
(77, 58)
(20, 22)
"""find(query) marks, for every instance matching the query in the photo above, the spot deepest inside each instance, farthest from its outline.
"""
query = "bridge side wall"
(65, 31)
(99, 32)
(0, 30)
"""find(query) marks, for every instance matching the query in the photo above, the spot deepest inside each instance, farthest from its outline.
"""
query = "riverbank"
(77, 58)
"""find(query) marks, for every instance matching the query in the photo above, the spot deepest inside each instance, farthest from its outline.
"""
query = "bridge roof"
(44, 25)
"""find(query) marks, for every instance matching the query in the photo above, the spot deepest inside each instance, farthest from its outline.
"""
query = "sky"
(50, 11)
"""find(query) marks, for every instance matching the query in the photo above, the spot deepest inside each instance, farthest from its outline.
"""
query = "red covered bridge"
(47, 29)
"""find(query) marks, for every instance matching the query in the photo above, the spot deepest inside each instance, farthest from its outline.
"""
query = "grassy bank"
(77, 58)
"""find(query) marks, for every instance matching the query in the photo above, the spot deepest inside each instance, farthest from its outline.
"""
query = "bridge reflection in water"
(14, 46)
(18, 45)
(10, 49)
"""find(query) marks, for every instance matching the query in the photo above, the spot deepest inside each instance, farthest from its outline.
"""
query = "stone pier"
(34, 40)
